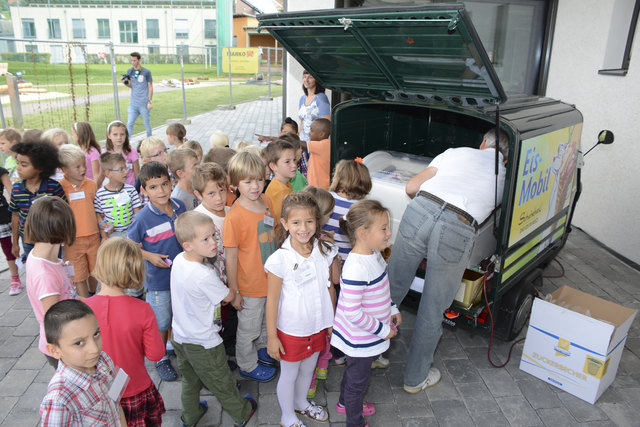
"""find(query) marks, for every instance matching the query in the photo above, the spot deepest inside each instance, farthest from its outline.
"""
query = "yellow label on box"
(595, 367)
(562, 349)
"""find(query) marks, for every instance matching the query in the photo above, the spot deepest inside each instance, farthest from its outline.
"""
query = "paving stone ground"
(471, 392)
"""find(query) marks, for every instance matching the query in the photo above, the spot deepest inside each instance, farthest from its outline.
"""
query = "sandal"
(368, 409)
(315, 412)
(298, 424)
(262, 374)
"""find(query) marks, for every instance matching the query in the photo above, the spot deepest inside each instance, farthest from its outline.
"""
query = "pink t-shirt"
(45, 279)
(131, 157)
(91, 155)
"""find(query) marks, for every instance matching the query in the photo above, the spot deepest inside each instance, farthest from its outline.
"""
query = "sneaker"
(262, 374)
(322, 373)
(340, 360)
(380, 363)
(368, 409)
(16, 286)
(166, 371)
(312, 389)
(204, 406)
(432, 379)
(254, 406)
(265, 359)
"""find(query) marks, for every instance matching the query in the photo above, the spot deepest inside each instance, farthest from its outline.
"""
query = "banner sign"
(546, 171)
(243, 60)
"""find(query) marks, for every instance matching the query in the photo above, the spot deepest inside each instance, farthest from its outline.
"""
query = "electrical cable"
(486, 300)
(561, 269)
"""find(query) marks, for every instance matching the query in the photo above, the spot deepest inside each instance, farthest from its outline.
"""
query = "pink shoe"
(16, 285)
(368, 409)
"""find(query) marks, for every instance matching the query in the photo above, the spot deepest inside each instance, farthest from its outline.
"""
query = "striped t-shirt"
(21, 198)
(364, 309)
(117, 206)
(341, 240)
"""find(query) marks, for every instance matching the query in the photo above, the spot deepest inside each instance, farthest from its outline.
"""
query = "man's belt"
(462, 215)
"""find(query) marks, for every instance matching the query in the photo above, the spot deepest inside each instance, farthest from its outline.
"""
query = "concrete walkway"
(471, 391)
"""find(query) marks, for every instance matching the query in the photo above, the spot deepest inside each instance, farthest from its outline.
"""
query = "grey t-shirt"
(190, 200)
(140, 80)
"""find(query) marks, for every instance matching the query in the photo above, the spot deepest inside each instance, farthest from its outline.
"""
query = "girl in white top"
(300, 305)
(365, 316)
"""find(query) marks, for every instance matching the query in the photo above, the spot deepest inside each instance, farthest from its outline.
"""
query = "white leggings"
(293, 384)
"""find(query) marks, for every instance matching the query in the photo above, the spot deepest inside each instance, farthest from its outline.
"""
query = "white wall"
(293, 77)
(610, 204)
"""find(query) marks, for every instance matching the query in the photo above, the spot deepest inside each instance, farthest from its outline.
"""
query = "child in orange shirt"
(280, 156)
(319, 147)
(81, 193)
(249, 239)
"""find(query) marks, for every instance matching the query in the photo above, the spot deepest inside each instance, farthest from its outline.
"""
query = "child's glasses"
(121, 170)
(159, 153)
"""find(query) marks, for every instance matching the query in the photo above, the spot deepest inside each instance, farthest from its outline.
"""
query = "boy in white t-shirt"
(196, 295)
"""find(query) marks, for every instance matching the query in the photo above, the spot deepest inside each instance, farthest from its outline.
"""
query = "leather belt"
(462, 215)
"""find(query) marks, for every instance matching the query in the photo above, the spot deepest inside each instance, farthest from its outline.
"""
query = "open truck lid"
(427, 54)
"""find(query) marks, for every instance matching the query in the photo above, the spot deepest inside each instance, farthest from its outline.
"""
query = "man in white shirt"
(450, 198)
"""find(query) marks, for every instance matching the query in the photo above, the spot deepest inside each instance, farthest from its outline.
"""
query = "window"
(154, 49)
(182, 29)
(621, 31)
(31, 48)
(153, 29)
(54, 29)
(28, 28)
(209, 28)
(104, 31)
(79, 31)
(128, 31)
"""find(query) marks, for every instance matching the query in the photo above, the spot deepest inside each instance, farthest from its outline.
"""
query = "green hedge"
(42, 58)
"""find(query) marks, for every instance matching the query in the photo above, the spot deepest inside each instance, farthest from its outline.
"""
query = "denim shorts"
(160, 302)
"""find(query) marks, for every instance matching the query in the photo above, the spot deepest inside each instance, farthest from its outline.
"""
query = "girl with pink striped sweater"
(365, 317)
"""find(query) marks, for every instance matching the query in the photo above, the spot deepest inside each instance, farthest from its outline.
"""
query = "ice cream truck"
(420, 82)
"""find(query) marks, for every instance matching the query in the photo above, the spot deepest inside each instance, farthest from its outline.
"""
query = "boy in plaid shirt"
(79, 394)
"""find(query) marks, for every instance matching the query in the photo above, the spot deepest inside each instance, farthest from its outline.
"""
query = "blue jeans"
(428, 230)
(160, 302)
(132, 115)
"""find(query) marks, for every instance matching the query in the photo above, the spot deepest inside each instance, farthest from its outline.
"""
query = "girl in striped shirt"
(365, 316)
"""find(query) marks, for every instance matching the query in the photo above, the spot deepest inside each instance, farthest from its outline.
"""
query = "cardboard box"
(575, 352)
(470, 290)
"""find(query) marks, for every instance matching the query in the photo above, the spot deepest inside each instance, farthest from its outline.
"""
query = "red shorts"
(300, 348)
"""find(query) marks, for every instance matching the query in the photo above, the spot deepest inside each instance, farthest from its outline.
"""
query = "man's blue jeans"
(428, 230)
(132, 115)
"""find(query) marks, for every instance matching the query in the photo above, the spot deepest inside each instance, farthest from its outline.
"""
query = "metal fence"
(54, 84)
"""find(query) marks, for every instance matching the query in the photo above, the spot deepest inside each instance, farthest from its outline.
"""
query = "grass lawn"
(166, 105)
(48, 74)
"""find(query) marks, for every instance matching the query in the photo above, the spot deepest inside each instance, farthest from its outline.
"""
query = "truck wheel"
(515, 308)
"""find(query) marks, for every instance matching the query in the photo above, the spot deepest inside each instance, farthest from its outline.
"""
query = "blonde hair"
(206, 172)
(177, 159)
(70, 154)
(50, 134)
(120, 264)
(12, 135)
(351, 178)
(218, 139)
(255, 149)
(361, 214)
(186, 225)
(149, 145)
(245, 165)
(195, 146)
(323, 198)
(242, 145)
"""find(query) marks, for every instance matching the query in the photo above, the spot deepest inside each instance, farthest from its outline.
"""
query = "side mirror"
(604, 137)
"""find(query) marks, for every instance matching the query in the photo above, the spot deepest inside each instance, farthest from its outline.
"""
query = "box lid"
(392, 53)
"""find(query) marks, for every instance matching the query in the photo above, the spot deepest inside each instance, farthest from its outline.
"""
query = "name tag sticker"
(140, 78)
(304, 273)
(78, 195)
(118, 385)
(122, 199)
(268, 220)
